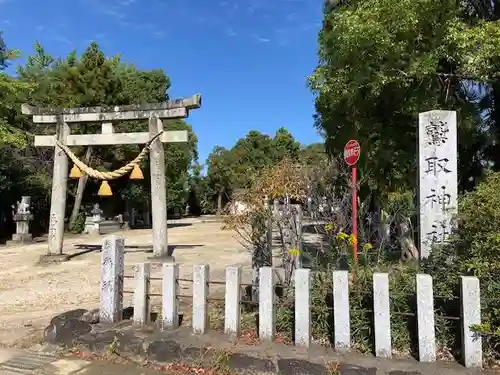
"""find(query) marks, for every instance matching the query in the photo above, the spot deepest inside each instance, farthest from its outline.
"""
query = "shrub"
(473, 251)
(79, 224)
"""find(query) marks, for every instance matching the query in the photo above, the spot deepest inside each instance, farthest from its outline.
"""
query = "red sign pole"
(352, 151)
(355, 214)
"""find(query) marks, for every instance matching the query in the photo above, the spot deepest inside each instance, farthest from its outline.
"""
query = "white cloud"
(125, 3)
(231, 32)
(261, 39)
(159, 34)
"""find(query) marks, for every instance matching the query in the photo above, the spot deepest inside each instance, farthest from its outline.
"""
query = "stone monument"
(22, 216)
(438, 182)
(93, 223)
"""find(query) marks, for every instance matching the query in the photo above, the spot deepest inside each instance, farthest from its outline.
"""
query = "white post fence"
(112, 304)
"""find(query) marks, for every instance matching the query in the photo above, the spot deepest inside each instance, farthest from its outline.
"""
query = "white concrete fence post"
(382, 315)
(341, 313)
(200, 298)
(472, 348)
(303, 307)
(170, 290)
(267, 306)
(142, 274)
(232, 306)
(425, 319)
(112, 264)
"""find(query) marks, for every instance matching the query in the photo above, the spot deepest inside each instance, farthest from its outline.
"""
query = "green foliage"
(230, 170)
(480, 227)
(79, 225)
(402, 305)
(89, 79)
(313, 154)
(382, 62)
(475, 48)
(475, 251)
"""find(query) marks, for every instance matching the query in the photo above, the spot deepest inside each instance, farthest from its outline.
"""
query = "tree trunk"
(408, 249)
(219, 202)
(82, 181)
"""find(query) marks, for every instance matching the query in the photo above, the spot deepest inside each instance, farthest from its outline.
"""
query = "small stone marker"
(22, 217)
(93, 223)
(438, 183)
(112, 264)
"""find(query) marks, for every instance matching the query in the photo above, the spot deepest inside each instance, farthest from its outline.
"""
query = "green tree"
(284, 145)
(18, 165)
(89, 79)
(220, 174)
(382, 62)
(313, 154)
(256, 151)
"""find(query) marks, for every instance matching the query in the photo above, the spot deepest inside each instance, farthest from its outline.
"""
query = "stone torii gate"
(63, 118)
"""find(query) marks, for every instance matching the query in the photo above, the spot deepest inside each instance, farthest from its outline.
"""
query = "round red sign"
(352, 150)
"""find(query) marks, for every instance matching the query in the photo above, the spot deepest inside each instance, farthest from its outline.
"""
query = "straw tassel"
(105, 190)
(136, 173)
(75, 172)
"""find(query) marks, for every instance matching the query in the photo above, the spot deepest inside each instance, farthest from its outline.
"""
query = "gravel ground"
(31, 294)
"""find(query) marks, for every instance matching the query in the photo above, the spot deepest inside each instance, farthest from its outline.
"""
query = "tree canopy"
(89, 79)
(229, 170)
(381, 62)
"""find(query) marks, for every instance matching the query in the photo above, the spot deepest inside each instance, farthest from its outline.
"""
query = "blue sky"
(249, 59)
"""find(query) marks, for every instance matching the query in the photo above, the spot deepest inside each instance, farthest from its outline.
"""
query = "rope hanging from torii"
(117, 173)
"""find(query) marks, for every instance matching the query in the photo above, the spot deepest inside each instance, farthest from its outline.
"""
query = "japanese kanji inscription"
(438, 184)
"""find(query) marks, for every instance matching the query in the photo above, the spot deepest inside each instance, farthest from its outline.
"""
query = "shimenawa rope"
(117, 173)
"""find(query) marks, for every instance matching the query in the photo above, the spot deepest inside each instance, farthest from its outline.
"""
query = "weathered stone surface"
(214, 349)
(91, 316)
(438, 183)
(346, 369)
(48, 259)
(130, 343)
(66, 331)
(198, 355)
(164, 351)
(290, 366)
(98, 341)
(243, 363)
(68, 315)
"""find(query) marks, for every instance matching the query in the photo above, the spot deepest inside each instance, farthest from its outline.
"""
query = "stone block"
(267, 305)
(112, 268)
(142, 274)
(232, 301)
(303, 307)
(200, 298)
(425, 319)
(472, 348)
(341, 314)
(170, 290)
(382, 315)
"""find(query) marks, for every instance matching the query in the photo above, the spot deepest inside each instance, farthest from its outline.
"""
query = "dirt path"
(31, 294)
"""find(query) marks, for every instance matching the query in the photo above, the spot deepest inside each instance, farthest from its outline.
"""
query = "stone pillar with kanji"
(438, 182)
